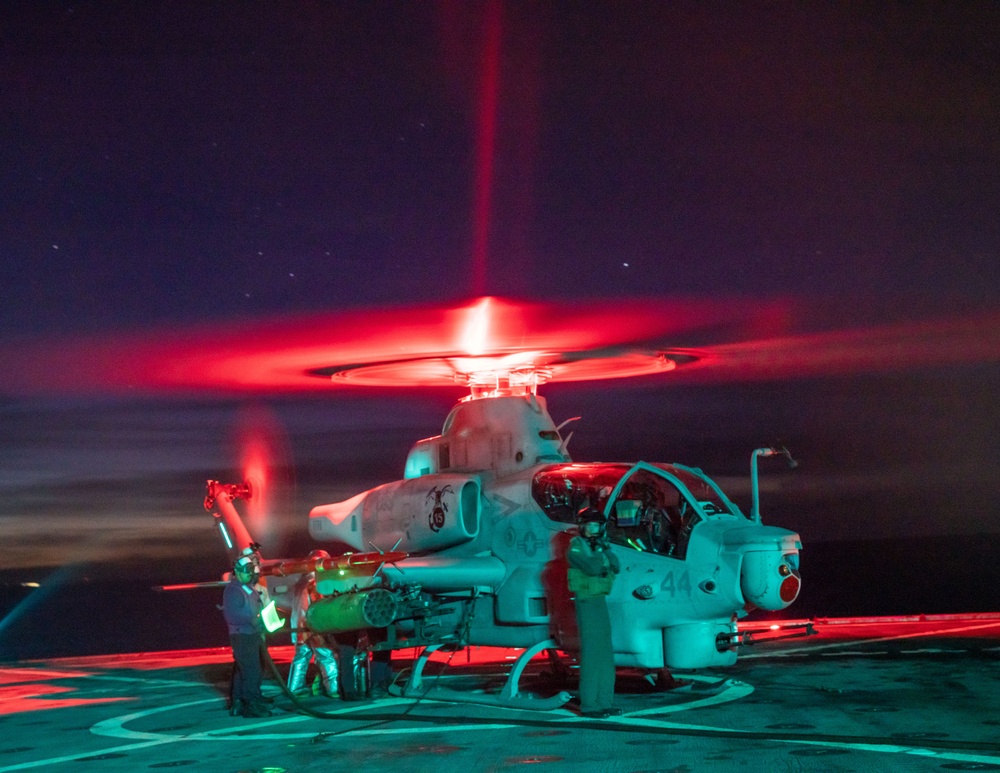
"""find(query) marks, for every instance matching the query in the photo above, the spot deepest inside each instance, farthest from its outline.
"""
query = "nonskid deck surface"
(865, 694)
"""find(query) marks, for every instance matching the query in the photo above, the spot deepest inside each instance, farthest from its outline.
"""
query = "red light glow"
(477, 328)
(263, 454)
(695, 340)
(932, 343)
(23, 690)
(254, 465)
(486, 131)
(10, 676)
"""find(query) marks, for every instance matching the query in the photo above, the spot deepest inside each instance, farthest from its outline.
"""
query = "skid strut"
(510, 696)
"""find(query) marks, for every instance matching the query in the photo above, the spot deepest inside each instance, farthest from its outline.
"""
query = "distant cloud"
(60, 540)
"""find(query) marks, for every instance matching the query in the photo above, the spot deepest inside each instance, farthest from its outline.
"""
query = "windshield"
(712, 501)
(649, 512)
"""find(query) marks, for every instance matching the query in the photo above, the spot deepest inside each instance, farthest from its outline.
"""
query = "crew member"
(591, 571)
(259, 581)
(241, 606)
(353, 649)
(309, 644)
(381, 666)
(347, 651)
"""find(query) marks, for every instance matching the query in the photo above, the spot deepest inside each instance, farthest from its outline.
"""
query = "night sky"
(172, 166)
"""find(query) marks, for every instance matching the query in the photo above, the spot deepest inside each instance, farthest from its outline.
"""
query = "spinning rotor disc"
(495, 343)
(512, 368)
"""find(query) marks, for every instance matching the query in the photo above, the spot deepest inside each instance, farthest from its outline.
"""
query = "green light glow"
(225, 535)
(270, 617)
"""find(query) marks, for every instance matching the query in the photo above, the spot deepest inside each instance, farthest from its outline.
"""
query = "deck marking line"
(806, 741)
(115, 727)
(914, 750)
(84, 755)
(154, 684)
(855, 642)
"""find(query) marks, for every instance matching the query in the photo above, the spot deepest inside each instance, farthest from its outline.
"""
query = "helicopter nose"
(770, 579)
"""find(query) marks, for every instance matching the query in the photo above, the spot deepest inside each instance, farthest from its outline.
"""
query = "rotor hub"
(501, 382)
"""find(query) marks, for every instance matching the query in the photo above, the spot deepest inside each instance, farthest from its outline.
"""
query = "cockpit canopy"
(650, 507)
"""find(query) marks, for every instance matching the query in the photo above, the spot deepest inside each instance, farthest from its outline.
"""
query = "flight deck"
(914, 693)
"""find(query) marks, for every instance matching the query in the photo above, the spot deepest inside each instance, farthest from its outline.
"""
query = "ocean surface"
(104, 609)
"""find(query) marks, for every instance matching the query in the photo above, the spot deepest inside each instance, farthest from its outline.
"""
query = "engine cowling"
(432, 512)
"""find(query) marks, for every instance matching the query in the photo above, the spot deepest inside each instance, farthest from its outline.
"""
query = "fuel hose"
(304, 708)
(299, 704)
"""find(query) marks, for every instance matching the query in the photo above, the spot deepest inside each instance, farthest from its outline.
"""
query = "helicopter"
(468, 547)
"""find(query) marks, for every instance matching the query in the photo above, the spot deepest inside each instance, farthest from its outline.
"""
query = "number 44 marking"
(681, 585)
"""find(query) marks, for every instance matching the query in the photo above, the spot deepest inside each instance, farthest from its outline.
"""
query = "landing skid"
(509, 697)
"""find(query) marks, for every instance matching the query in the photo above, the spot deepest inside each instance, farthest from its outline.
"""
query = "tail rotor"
(262, 453)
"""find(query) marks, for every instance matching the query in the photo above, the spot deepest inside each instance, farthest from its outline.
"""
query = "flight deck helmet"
(244, 569)
(592, 522)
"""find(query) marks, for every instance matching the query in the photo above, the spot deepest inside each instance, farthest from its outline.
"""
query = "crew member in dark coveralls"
(348, 644)
(591, 574)
(241, 606)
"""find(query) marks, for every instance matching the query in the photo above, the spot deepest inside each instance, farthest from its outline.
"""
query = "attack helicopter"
(468, 547)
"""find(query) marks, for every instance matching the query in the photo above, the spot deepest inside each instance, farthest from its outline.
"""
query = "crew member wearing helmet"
(259, 583)
(308, 644)
(591, 574)
(241, 606)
